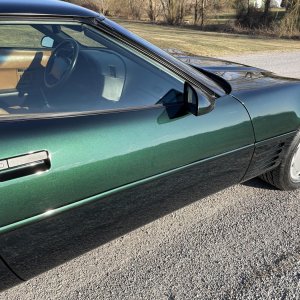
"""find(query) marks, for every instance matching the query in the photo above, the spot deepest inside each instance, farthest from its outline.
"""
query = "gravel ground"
(241, 243)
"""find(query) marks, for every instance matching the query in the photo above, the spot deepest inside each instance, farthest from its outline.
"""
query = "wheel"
(287, 175)
(61, 64)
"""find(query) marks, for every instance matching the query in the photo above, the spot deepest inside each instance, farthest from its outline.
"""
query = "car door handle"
(24, 165)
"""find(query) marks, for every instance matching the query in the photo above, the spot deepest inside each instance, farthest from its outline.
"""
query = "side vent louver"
(270, 159)
(268, 155)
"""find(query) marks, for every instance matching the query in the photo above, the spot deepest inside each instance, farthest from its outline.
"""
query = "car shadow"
(259, 184)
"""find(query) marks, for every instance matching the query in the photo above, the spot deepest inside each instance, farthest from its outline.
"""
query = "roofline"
(35, 8)
(97, 16)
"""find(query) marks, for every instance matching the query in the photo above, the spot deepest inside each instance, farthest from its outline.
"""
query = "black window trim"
(67, 115)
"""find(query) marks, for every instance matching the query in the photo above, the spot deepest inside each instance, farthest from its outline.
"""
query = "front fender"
(274, 110)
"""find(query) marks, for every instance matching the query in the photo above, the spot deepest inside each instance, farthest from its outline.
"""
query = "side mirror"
(196, 101)
(47, 42)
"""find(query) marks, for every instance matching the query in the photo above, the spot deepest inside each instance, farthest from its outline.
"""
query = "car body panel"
(110, 172)
(272, 101)
(34, 248)
(268, 155)
(44, 8)
(92, 154)
(274, 110)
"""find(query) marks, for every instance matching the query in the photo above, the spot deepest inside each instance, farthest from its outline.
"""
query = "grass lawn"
(207, 43)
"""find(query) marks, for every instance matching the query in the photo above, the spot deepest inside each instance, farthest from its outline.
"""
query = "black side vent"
(268, 155)
(269, 159)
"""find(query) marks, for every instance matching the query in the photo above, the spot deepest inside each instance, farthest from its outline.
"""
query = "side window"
(86, 72)
(20, 36)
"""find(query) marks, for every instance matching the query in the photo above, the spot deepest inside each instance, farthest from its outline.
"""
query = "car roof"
(43, 7)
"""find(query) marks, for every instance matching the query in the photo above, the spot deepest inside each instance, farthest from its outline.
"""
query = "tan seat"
(3, 112)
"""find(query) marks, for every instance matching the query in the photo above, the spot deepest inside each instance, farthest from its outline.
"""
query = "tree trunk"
(196, 12)
(267, 7)
(151, 11)
(202, 13)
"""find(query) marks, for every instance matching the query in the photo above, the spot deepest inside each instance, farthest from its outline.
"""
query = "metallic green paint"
(78, 204)
(35, 248)
(275, 110)
(91, 155)
(273, 102)
(118, 171)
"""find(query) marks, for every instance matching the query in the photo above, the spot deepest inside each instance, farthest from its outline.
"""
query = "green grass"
(185, 39)
(206, 43)
(20, 36)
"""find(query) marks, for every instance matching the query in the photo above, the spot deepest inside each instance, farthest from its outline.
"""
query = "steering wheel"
(61, 63)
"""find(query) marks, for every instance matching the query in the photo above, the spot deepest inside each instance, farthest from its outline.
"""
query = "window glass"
(77, 33)
(20, 36)
(86, 71)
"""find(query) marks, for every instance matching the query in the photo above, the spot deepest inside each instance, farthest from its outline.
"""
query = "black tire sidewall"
(284, 174)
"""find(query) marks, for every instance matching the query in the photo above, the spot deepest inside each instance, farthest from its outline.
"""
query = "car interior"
(76, 68)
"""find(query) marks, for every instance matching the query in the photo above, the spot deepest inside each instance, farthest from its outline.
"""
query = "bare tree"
(200, 9)
(242, 7)
(104, 6)
(203, 11)
(135, 9)
(291, 22)
(173, 10)
(266, 16)
(196, 8)
(267, 7)
(153, 10)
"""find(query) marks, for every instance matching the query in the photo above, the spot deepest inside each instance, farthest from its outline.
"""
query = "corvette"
(102, 132)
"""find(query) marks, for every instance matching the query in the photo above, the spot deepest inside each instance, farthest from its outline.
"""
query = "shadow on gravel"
(259, 184)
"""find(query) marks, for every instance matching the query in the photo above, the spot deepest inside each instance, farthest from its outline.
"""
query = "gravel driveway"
(241, 243)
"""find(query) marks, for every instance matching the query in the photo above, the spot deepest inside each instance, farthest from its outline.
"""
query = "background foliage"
(218, 15)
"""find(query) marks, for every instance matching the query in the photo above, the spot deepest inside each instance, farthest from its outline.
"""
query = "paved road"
(285, 63)
(241, 243)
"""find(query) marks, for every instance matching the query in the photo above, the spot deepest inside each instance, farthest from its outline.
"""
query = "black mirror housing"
(196, 102)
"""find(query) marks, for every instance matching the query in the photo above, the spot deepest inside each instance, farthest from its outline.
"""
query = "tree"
(198, 8)
(242, 7)
(203, 11)
(173, 10)
(104, 6)
(153, 10)
(267, 7)
(291, 21)
(135, 9)
(266, 17)
(89, 4)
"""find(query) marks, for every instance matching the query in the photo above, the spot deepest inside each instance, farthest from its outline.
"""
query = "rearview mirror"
(196, 101)
(47, 42)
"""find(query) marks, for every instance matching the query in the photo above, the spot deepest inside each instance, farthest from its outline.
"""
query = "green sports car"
(102, 132)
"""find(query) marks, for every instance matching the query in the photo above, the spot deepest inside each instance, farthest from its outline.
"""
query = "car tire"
(286, 176)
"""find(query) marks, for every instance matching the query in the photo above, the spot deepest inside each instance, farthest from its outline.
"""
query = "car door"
(52, 164)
